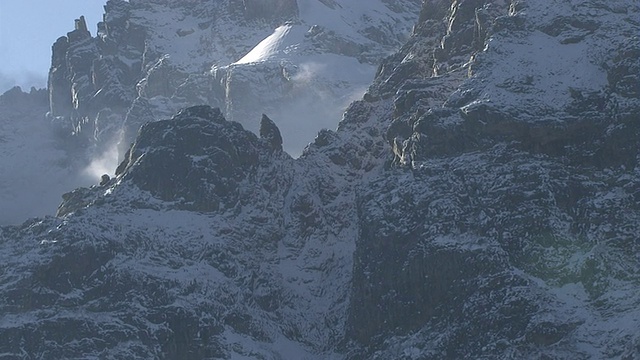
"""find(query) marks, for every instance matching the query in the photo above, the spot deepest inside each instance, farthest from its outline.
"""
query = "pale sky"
(28, 28)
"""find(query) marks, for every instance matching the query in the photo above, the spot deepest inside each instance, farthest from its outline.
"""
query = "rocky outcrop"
(270, 132)
(58, 83)
(250, 228)
(92, 75)
(202, 156)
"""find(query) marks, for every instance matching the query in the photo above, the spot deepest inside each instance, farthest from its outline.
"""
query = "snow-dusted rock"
(232, 259)
(480, 201)
(489, 236)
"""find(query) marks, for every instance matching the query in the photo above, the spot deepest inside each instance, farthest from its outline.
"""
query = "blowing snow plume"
(303, 89)
(303, 93)
(103, 163)
(318, 101)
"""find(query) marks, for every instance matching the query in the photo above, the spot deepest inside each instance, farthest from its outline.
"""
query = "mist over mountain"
(481, 200)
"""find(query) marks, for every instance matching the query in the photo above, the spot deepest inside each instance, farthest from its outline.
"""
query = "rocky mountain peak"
(81, 24)
(94, 83)
(270, 132)
(202, 158)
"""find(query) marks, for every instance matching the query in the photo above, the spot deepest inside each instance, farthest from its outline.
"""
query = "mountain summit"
(481, 201)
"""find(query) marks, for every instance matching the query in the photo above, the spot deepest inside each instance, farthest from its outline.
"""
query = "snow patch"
(281, 39)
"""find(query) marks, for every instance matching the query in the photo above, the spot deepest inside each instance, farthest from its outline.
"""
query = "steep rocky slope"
(207, 260)
(506, 225)
(480, 202)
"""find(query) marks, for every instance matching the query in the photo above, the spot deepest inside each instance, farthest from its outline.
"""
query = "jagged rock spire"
(80, 31)
(270, 132)
(81, 24)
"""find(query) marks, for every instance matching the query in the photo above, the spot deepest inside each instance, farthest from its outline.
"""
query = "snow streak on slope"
(278, 42)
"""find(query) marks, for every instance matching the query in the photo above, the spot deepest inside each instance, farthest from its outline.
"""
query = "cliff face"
(92, 80)
(481, 201)
(504, 225)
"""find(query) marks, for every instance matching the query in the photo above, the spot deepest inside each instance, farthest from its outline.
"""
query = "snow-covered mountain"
(302, 62)
(482, 201)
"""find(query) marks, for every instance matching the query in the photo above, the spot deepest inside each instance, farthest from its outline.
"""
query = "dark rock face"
(86, 260)
(453, 258)
(270, 132)
(89, 75)
(58, 84)
(200, 155)
(447, 260)
(446, 36)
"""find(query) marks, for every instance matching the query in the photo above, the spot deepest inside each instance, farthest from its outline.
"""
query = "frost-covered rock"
(487, 235)
(270, 132)
(480, 201)
(201, 157)
(225, 254)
